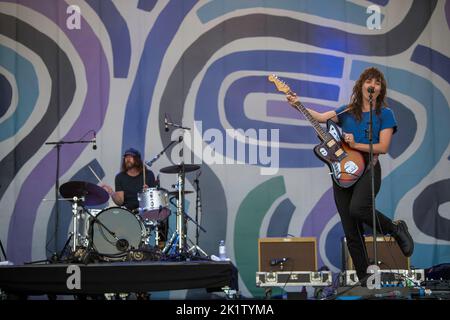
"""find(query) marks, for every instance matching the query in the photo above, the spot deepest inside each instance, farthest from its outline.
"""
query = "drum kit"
(118, 234)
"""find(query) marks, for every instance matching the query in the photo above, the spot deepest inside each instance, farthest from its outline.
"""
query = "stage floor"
(117, 277)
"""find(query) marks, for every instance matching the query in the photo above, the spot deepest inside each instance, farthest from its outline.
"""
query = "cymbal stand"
(73, 236)
(195, 247)
(181, 222)
(75, 218)
(58, 145)
(174, 240)
(182, 216)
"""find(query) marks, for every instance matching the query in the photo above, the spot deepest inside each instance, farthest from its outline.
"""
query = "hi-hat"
(179, 168)
(93, 194)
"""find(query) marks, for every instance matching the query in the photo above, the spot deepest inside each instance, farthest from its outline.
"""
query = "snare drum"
(153, 204)
(116, 230)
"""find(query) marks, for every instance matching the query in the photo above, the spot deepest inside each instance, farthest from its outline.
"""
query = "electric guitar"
(346, 165)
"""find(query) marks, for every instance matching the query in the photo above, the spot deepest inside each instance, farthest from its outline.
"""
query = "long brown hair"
(356, 100)
(138, 164)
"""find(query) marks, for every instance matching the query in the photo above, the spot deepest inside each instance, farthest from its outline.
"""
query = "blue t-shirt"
(359, 129)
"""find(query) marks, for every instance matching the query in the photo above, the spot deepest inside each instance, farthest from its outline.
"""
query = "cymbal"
(93, 194)
(175, 193)
(178, 168)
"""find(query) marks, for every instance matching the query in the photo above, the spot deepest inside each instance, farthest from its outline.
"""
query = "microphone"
(277, 261)
(370, 89)
(122, 244)
(166, 126)
(150, 163)
(94, 146)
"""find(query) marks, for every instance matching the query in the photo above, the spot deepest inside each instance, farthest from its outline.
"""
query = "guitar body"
(346, 164)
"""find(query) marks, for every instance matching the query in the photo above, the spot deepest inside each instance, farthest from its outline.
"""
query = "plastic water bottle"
(222, 251)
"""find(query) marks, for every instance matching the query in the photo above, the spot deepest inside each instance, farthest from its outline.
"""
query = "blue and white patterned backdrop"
(127, 63)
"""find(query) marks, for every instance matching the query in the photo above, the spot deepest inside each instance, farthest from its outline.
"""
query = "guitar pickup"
(339, 152)
(331, 143)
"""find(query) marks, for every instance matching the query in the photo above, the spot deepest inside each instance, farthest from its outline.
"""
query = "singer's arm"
(321, 117)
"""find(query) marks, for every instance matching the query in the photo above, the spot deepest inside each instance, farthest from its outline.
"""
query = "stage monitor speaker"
(388, 254)
(287, 254)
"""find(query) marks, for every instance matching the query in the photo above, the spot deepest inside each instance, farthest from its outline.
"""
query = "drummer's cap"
(132, 152)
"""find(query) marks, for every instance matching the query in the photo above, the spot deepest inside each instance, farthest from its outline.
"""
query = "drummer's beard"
(130, 165)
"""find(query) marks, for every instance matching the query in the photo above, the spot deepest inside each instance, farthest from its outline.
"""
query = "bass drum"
(116, 231)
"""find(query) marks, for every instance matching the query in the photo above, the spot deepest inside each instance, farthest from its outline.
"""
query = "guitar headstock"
(281, 86)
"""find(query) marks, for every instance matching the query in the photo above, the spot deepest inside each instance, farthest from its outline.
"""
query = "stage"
(117, 277)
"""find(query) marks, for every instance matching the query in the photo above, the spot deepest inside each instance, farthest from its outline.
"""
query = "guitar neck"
(320, 131)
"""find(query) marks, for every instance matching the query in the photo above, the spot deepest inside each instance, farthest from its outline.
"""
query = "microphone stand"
(150, 163)
(177, 125)
(197, 207)
(58, 145)
(372, 183)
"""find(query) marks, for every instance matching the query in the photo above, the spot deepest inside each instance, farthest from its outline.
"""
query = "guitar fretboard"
(320, 131)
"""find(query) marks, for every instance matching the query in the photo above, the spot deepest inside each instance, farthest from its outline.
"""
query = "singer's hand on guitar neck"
(291, 97)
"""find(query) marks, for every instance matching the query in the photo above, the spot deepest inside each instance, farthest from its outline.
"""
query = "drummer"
(130, 181)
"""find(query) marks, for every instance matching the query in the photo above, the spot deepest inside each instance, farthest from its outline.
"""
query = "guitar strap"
(345, 110)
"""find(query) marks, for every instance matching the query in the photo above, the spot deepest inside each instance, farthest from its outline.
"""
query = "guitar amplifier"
(389, 254)
(287, 254)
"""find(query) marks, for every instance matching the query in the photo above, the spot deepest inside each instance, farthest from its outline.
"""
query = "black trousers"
(354, 205)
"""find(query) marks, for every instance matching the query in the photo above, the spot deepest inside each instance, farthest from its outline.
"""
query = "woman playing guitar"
(354, 202)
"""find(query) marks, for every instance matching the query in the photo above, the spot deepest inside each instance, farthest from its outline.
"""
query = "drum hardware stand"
(175, 236)
(150, 163)
(149, 225)
(180, 233)
(198, 207)
(157, 234)
(197, 251)
(3, 250)
(58, 145)
(75, 217)
(181, 223)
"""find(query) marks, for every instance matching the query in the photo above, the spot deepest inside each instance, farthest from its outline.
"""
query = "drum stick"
(144, 179)
(99, 180)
